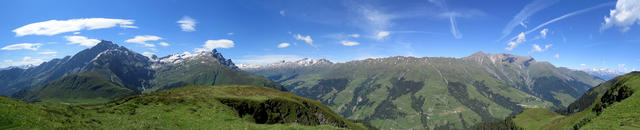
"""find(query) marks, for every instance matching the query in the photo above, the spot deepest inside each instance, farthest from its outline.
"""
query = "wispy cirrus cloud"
(524, 14)
(452, 15)
(22, 46)
(561, 18)
(53, 27)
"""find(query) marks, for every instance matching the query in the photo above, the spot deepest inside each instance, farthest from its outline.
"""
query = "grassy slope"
(531, 119)
(619, 115)
(184, 107)
(77, 88)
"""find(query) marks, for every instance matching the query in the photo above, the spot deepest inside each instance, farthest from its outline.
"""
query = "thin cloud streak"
(566, 16)
(527, 11)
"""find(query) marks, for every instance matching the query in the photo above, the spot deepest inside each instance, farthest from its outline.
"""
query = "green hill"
(192, 107)
(614, 104)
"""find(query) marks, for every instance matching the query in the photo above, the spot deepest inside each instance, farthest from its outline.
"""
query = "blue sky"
(584, 34)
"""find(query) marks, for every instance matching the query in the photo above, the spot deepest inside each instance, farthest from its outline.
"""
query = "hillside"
(614, 104)
(191, 107)
(108, 71)
(76, 88)
(432, 92)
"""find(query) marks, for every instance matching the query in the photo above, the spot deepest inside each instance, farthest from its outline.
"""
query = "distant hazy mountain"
(603, 73)
(431, 92)
(110, 71)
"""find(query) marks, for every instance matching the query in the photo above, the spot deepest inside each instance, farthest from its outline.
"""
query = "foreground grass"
(534, 118)
(186, 107)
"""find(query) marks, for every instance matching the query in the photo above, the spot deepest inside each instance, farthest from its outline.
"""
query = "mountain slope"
(81, 87)
(433, 93)
(118, 68)
(614, 104)
(192, 107)
(51, 70)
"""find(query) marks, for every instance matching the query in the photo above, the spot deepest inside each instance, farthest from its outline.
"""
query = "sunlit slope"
(193, 107)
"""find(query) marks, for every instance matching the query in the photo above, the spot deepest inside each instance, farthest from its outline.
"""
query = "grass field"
(193, 107)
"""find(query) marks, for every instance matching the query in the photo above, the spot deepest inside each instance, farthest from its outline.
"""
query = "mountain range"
(107, 71)
(431, 92)
(391, 93)
(603, 73)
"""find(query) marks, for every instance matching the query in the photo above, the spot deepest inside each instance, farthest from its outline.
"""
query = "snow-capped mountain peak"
(301, 62)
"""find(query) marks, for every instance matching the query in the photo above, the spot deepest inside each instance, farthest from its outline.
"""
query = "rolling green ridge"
(192, 107)
(614, 104)
(433, 92)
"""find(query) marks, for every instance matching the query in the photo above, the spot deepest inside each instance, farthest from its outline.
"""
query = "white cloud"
(355, 35)
(306, 39)
(514, 44)
(265, 59)
(76, 33)
(282, 13)
(382, 34)
(523, 24)
(543, 33)
(583, 65)
(163, 44)
(23, 46)
(53, 27)
(283, 45)
(142, 40)
(81, 40)
(557, 56)
(524, 14)
(537, 48)
(47, 52)
(349, 43)
(25, 61)
(230, 34)
(187, 24)
(148, 54)
(626, 14)
(222, 43)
